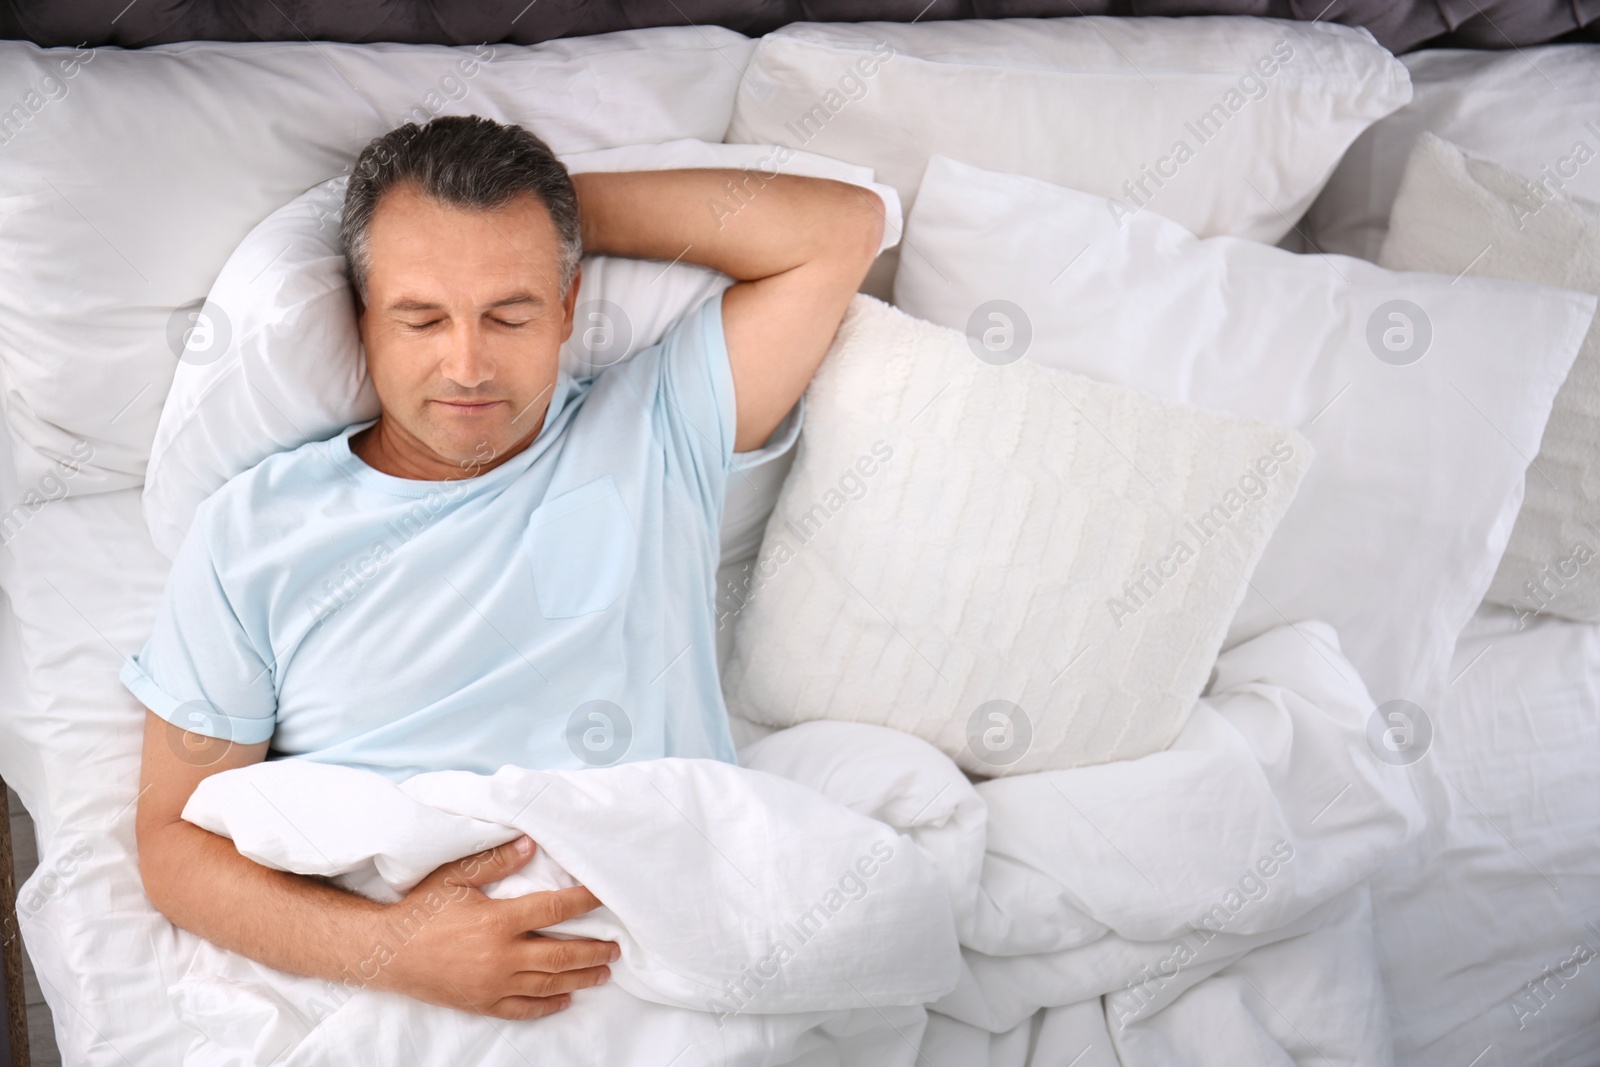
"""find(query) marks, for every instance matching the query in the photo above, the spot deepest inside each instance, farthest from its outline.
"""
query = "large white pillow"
(1456, 213)
(140, 172)
(1423, 395)
(1027, 568)
(1094, 103)
(1532, 109)
(274, 360)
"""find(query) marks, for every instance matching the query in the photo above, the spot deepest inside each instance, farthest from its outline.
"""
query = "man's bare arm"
(462, 949)
(797, 247)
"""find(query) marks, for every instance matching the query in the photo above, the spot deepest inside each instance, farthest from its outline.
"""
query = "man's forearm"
(288, 921)
(747, 224)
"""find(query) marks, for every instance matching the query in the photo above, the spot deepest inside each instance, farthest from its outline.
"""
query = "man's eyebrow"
(411, 303)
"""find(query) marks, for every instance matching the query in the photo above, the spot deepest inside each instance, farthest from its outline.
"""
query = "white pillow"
(1455, 213)
(1027, 568)
(275, 359)
(1532, 110)
(1401, 522)
(1093, 103)
(144, 169)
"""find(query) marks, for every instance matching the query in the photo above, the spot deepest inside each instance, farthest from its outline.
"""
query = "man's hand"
(453, 945)
(446, 942)
(797, 247)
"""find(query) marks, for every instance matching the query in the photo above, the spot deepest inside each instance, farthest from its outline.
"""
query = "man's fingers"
(481, 868)
(540, 984)
(554, 954)
(535, 911)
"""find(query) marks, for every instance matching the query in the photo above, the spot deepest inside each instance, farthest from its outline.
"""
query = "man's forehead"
(422, 246)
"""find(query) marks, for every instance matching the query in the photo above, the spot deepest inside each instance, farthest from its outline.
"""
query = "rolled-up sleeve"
(199, 669)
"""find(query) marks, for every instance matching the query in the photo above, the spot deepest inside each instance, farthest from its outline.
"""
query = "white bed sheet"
(1503, 888)
(100, 950)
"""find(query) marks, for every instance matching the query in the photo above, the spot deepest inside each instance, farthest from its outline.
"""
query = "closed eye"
(418, 327)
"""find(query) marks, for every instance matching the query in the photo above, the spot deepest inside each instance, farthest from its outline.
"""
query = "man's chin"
(471, 447)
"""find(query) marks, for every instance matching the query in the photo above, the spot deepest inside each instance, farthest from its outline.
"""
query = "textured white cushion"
(1456, 213)
(277, 360)
(1421, 451)
(1092, 103)
(1532, 109)
(1027, 568)
(121, 200)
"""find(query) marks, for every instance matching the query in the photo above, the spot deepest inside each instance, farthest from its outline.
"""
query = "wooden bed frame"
(14, 1053)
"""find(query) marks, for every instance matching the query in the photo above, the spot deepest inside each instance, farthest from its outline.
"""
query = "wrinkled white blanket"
(1111, 890)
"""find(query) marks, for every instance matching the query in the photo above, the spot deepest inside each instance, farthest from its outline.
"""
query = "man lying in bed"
(453, 584)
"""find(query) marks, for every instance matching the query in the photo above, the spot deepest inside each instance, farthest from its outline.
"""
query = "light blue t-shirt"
(557, 611)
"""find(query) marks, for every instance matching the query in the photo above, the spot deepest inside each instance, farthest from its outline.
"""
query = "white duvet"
(1207, 899)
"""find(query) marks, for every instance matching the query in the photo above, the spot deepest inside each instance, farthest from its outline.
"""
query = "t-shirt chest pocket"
(582, 547)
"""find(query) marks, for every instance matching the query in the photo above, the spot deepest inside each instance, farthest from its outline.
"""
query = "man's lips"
(468, 407)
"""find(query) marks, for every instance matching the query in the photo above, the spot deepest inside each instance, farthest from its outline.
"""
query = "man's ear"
(569, 303)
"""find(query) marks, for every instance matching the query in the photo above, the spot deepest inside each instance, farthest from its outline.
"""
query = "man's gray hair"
(466, 161)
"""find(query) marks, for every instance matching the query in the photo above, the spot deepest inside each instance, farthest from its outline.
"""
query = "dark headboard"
(1400, 25)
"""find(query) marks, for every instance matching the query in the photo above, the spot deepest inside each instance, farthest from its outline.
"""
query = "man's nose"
(466, 360)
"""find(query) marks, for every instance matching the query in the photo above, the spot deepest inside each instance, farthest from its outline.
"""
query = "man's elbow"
(152, 841)
(855, 234)
(861, 227)
(160, 841)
